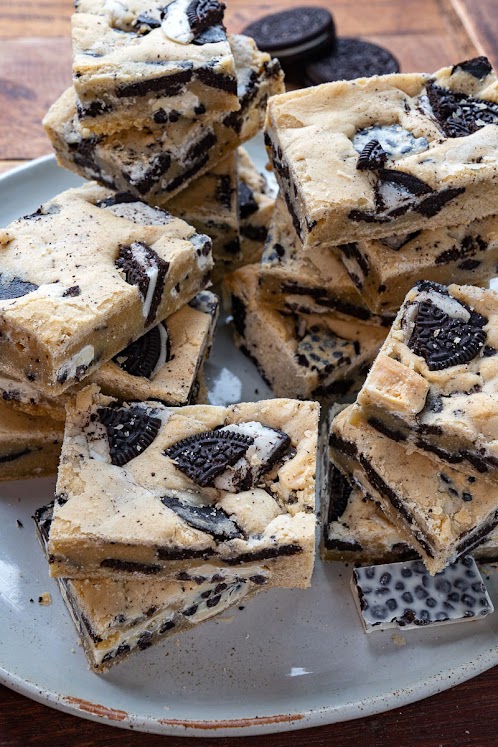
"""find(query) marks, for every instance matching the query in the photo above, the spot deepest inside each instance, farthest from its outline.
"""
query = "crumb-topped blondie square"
(434, 382)
(87, 274)
(387, 155)
(147, 489)
(134, 57)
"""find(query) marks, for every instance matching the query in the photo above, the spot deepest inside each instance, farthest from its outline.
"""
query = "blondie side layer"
(384, 270)
(439, 511)
(87, 274)
(151, 490)
(387, 155)
(312, 283)
(117, 618)
(165, 364)
(308, 356)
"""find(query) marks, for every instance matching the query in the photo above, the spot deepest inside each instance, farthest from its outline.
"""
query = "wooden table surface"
(35, 64)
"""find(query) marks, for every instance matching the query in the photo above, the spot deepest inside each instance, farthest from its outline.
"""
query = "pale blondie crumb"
(45, 599)
(398, 639)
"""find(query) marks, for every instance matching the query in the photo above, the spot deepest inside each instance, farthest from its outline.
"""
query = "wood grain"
(35, 60)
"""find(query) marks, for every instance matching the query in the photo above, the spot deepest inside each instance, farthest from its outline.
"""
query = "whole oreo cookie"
(352, 58)
(294, 35)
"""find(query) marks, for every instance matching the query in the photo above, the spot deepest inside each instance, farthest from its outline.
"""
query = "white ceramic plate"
(289, 660)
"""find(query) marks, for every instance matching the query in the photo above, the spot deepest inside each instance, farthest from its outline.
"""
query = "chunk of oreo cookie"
(458, 114)
(294, 35)
(372, 157)
(268, 447)
(143, 267)
(206, 455)
(145, 356)
(130, 430)
(444, 331)
(247, 202)
(209, 519)
(352, 58)
(185, 21)
(12, 287)
(478, 67)
(339, 490)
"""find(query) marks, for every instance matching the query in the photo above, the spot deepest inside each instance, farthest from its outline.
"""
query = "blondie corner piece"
(404, 595)
(157, 163)
(151, 490)
(439, 511)
(87, 274)
(384, 270)
(165, 364)
(355, 528)
(387, 155)
(308, 356)
(135, 58)
(312, 283)
(29, 446)
(433, 384)
(115, 619)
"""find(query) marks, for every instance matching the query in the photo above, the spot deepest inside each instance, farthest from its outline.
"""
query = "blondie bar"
(133, 58)
(379, 156)
(156, 163)
(312, 283)
(310, 356)
(384, 270)
(439, 511)
(256, 204)
(115, 619)
(434, 382)
(87, 274)
(150, 490)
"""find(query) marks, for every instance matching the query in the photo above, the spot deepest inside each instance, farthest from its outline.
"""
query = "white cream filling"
(83, 357)
(265, 440)
(175, 25)
(163, 335)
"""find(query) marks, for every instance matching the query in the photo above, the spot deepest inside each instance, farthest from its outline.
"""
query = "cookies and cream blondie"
(87, 274)
(151, 490)
(387, 155)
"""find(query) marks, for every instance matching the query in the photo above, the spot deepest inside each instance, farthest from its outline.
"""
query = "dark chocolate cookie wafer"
(352, 58)
(294, 35)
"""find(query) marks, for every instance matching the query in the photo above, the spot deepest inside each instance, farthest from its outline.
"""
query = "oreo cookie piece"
(444, 331)
(14, 287)
(247, 202)
(268, 447)
(147, 355)
(208, 519)
(352, 58)
(458, 114)
(143, 267)
(294, 35)
(130, 430)
(186, 21)
(339, 491)
(206, 455)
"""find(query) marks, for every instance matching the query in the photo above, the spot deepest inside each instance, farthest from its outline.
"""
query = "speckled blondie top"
(377, 156)
(86, 274)
(150, 489)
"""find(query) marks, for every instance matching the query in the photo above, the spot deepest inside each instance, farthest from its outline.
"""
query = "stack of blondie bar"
(383, 181)
(161, 100)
